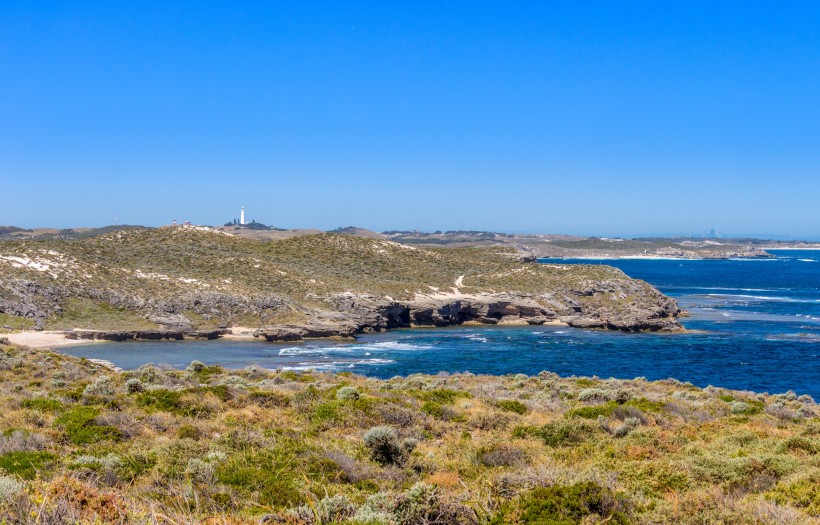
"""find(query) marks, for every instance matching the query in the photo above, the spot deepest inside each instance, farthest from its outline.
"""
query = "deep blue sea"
(754, 324)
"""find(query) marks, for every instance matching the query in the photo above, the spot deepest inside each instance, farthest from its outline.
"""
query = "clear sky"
(605, 118)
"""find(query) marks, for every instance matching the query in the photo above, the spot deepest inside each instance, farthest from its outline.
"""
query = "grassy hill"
(211, 277)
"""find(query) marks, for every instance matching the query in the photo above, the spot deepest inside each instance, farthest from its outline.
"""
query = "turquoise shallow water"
(757, 327)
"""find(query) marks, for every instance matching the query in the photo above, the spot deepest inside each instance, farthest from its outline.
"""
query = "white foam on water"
(336, 365)
(390, 345)
(367, 348)
(375, 361)
(296, 350)
(806, 260)
(729, 289)
(772, 298)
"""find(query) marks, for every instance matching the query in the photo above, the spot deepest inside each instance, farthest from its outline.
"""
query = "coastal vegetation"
(80, 443)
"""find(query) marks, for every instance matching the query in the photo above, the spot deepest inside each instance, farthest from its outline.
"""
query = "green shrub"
(511, 405)
(78, 424)
(441, 411)
(585, 382)
(432, 408)
(797, 443)
(26, 464)
(268, 473)
(163, 400)
(188, 432)
(803, 493)
(43, 404)
(443, 395)
(742, 408)
(326, 412)
(221, 392)
(564, 505)
(558, 433)
(606, 409)
(594, 411)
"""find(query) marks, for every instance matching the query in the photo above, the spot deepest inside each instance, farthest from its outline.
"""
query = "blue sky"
(604, 118)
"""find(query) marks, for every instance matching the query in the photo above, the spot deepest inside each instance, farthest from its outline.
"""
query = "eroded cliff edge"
(197, 281)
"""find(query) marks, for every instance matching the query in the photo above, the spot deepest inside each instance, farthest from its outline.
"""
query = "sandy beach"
(45, 339)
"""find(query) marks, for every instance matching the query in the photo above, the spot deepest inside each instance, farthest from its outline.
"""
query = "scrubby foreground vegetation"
(83, 444)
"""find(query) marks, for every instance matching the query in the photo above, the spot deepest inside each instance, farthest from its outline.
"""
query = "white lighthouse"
(242, 216)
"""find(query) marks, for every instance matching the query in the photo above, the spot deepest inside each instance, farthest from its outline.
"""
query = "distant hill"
(358, 232)
(13, 232)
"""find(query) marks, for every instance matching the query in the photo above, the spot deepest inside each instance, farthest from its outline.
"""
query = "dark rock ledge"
(144, 335)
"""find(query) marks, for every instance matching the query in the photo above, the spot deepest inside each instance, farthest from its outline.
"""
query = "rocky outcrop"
(144, 335)
(352, 314)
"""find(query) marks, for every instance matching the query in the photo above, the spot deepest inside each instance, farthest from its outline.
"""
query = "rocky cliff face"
(187, 281)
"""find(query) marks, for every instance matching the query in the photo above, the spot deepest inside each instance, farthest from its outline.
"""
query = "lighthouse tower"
(242, 216)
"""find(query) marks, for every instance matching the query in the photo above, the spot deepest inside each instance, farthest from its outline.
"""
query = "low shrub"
(268, 473)
(268, 399)
(43, 404)
(9, 488)
(80, 428)
(386, 447)
(134, 386)
(347, 393)
(186, 431)
(558, 433)
(164, 400)
(565, 505)
(607, 409)
(21, 440)
(803, 492)
(590, 395)
(512, 405)
(26, 464)
(743, 408)
(102, 386)
(443, 395)
(440, 411)
(502, 456)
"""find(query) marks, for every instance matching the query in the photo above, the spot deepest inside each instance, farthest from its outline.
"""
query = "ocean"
(753, 325)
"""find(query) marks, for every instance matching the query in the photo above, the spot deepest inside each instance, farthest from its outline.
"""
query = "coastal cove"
(754, 324)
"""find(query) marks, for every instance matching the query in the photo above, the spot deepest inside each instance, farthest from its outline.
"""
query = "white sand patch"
(53, 265)
(45, 339)
(151, 275)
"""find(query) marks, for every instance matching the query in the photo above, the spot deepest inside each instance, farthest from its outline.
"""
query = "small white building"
(242, 216)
